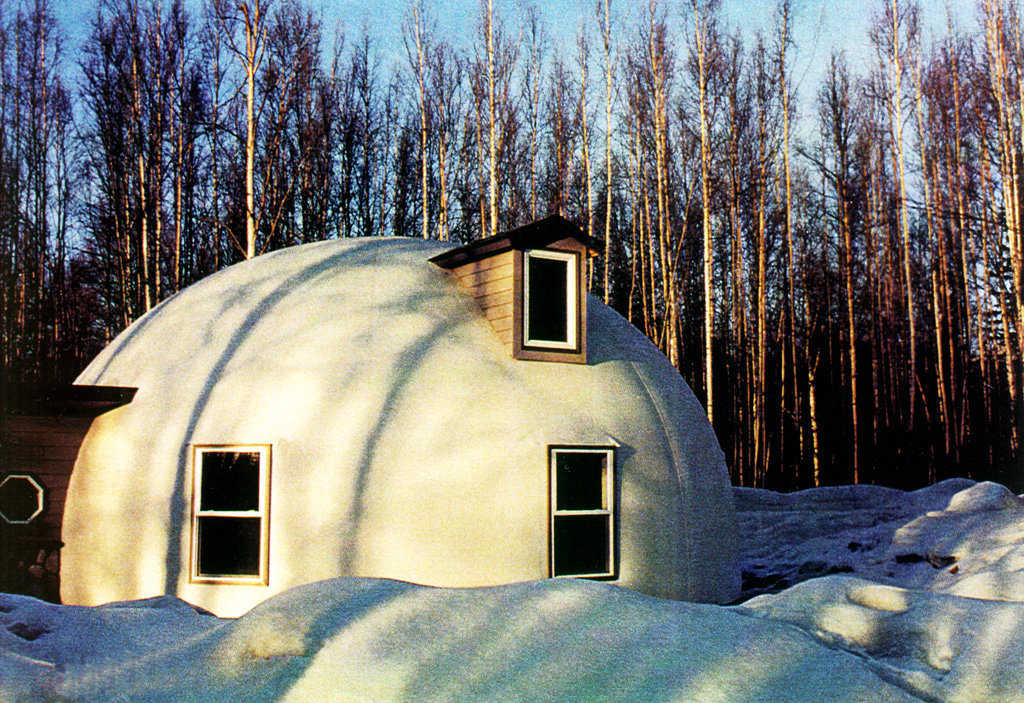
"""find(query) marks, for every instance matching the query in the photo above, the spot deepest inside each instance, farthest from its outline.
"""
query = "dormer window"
(549, 310)
(529, 285)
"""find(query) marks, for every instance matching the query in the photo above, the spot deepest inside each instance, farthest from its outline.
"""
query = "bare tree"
(249, 50)
(890, 26)
(605, 23)
(416, 47)
(790, 393)
(703, 39)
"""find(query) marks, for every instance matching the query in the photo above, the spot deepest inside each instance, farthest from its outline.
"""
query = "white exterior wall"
(405, 442)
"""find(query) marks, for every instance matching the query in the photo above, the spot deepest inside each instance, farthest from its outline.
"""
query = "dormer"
(529, 283)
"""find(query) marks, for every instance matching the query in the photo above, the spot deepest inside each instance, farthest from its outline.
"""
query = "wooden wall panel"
(490, 283)
(46, 448)
(41, 430)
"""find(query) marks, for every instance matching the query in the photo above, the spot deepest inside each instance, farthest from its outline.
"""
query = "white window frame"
(40, 494)
(609, 501)
(571, 296)
(262, 512)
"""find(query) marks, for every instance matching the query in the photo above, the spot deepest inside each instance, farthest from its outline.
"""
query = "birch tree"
(249, 51)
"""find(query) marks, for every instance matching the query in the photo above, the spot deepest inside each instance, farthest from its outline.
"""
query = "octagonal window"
(21, 499)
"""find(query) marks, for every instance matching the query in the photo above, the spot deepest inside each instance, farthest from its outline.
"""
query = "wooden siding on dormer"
(490, 282)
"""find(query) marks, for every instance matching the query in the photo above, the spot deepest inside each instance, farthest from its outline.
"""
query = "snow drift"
(955, 537)
(845, 637)
(373, 640)
(939, 647)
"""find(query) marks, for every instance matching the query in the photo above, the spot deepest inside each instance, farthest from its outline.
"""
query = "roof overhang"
(532, 236)
(62, 399)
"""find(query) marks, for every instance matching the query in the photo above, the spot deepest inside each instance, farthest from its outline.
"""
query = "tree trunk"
(606, 37)
(700, 36)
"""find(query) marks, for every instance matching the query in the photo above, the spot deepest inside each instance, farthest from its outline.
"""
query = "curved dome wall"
(404, 441)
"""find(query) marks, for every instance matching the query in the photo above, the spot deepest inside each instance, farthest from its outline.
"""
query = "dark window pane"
(229, 546)
(231, 481)
(548, 312)
(579, 481)
(581, 544)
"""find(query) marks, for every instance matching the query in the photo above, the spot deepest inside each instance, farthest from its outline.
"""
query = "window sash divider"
(229, 513)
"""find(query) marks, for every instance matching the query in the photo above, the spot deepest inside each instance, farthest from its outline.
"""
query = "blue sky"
(819, 26)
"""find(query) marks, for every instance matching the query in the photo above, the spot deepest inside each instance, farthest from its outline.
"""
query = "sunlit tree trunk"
(964, 237)
(738, 298)
(935, 239)
(177, 132)
(140, 161)
(895, 18)
(790, 328)
(606, 31)
(533, 83)
(835, 106)
(999, 80)
(492, 126)
(701, 38)
(985, 303)
(416, 58)
(761, 457)
(254, 34)
(583, 58)
(156, 138)
(669, 335)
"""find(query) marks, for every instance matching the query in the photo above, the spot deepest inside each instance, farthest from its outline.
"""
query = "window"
(230, 501)
(550, 299)
(21, 499)
(582, 511)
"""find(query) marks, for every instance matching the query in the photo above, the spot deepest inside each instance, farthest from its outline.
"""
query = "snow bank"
(837, 638)
(975, 545)
(41, 641)
(956, 537)
(365, 639)
(938, 646)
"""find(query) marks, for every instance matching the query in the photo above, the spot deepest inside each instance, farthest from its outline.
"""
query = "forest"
(837, 272)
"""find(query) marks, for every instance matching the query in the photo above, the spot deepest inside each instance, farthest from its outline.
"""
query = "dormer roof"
(535, 235)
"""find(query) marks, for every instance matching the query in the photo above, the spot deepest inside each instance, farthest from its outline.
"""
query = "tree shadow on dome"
(388, 303)
(402, 373)
(356, 255)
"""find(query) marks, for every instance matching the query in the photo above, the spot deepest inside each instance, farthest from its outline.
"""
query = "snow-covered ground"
(901, 597)
(955, 537)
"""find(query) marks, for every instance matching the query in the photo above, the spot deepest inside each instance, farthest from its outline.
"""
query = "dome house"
(396, 408)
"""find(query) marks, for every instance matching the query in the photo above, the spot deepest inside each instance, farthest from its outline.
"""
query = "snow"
(926, 602)
(955, 537)
(938, 647)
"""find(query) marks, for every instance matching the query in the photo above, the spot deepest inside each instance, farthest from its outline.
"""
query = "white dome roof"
(406, 442)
